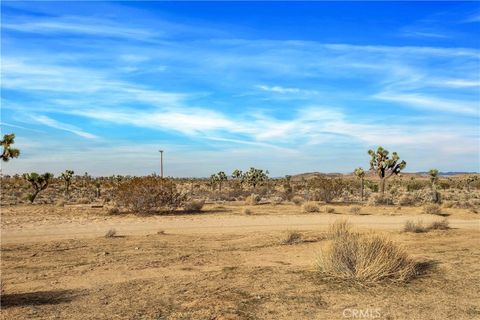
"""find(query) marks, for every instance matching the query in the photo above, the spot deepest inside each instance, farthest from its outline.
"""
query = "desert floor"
(222, 264)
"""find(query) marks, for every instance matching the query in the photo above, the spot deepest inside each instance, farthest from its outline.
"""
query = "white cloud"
(61, 126)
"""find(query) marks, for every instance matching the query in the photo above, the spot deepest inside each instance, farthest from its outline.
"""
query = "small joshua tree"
(9, 152)
(236, 176)
(433, 174)
(360, 173)
(39, 182)
(384, 166)
(254, 177)
(67, 178)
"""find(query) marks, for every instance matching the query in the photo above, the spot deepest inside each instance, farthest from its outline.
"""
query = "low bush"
(364, 258)
(297, 200)
(355, 210)
(439, 225)
(247, 211)
(252, 199)
(149, 194)
(193, 205)
(378, 199)
(432, 209)
(113, 210)
(292, 237)
(329, 210)
(110, 233)
(310, 207)
(407, 200)
(416, 227)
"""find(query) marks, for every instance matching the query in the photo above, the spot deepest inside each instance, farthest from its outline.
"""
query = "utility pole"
(161, 163)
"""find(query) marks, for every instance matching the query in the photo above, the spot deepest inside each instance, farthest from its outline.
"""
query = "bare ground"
(221, 264)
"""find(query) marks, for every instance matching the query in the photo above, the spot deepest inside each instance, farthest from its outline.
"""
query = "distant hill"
(310, 175)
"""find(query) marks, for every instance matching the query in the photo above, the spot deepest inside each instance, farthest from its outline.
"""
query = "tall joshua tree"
(9, 152)
(360, 173)
(39, 182)
(254, 177)
(67, 178)
(385, 166)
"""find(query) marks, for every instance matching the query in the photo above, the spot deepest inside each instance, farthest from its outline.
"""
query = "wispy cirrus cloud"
(42, 119)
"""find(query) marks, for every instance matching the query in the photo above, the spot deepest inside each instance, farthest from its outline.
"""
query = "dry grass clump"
(416, 227)
(439, 225)
(252, 199)
(247, 211)
(310, 207)
(193, 205)
(111, 233)
(355, 210)
(297, 200)
(83, 201)
(292, 237)
(432, 209)
(364, 258)
(329, 210)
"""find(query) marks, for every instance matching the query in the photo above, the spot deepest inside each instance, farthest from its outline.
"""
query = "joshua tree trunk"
(361, 189)
(382, 186)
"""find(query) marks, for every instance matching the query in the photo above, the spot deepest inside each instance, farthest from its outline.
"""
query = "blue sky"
(288, 87)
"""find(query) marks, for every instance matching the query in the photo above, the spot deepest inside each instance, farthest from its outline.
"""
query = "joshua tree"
(236, 174)
(67, 177)
(360, 173)
(254, 177)
(213, 181)
(38, 182)
(9, 152)
(384, 166)
(221, 176)
(433, 173)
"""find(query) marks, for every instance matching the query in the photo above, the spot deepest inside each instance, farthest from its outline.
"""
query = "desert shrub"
(247, 211)
(113, 210)
(416, 227)
(60, 203)
(193, 205)
(432, 209)
(310, 207)
(439, 225)
(407, 200)
(448, 204)
(364, 258)
(110, 233)
(327, 188)
(378, 199)
(149, 194)
(83, 201)
(355, 210)
(473, 210)
(292, 237)
(277, 200)
(329, 210)
(297, 200)
(252, 199)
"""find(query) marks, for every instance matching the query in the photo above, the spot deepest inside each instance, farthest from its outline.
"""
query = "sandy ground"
(222, 264)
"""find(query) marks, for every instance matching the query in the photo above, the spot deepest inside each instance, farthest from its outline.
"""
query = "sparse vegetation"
(355, 210)
(292, 237)
(364, 258)
(416, 227)
(432, 209)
